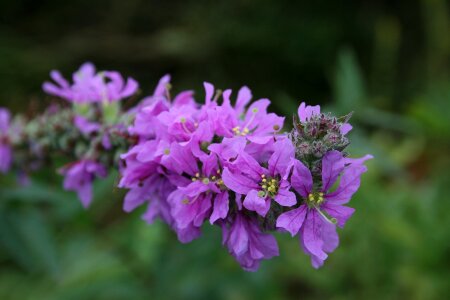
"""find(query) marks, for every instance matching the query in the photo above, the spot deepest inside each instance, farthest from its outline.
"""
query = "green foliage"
(388, 64)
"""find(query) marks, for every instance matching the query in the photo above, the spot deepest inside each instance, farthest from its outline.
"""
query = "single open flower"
(322, 208)
(89, 86)
(247, 243)
(79, 177)
(260, 185)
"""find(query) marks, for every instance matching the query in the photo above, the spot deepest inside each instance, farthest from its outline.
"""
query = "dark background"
(388, 61)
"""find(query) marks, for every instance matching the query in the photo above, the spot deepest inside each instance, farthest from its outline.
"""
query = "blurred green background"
(388, 61)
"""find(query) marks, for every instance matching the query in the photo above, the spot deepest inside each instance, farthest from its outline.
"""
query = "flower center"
(269, 186)
(206, 180)
(315, 199)
(183, 124)
(237, 131)
(244, 130)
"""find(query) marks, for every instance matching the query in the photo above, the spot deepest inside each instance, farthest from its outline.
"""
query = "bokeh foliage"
(388, 61)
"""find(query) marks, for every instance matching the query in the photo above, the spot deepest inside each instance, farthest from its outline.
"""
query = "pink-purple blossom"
(221, 161)
(228, 164)
(89, 86)
(247, 243)
(78, 177)
(262, 185)
(324, 207)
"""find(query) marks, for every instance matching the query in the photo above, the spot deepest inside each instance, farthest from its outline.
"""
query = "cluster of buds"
(315, 133)
(222, 162)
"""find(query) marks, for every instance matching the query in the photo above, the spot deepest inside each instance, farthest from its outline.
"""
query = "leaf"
(349, 87)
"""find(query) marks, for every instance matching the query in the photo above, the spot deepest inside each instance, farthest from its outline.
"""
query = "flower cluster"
(229, 165)
(225, 162)
(90, 134)
(99, 121)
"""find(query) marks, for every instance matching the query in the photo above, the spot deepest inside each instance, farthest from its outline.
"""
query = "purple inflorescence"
(226, 161)
(229, 165)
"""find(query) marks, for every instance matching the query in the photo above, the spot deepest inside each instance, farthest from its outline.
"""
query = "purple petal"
(301, 179)
(345, 128)
(305, 111)
(269, 124)
(248, 165)
(292, 220)
(5, 117)
(348, 185)
(237, 182)
(330, 237)
(184, 98)
(85, 194)
(285, 197)
(209, 90)
(340, 212)
(52, 89)
(183, 159)
(243, 98)
(239, 238)
(134, 198)
(130, 88)
(312, 234)
(85, 126)
(161, 88)
(5, 158)
(59, 79)
(194, 189)
(188, 234)
(256, 203)
(358, 161)
(282, 157)
(332, 165)
(221, 206)
(210, 165)
(229, 148)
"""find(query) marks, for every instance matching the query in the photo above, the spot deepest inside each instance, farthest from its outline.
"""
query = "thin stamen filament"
(331, 221)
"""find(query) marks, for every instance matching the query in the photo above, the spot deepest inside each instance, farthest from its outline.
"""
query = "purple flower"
(247, 243)
(195, 163)
(79, 177)
(148, 182)
(323, 207)
(5, 148)
(260, 185)
(204, 197)
(156, 116)
(89, 86)
(253, 122)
